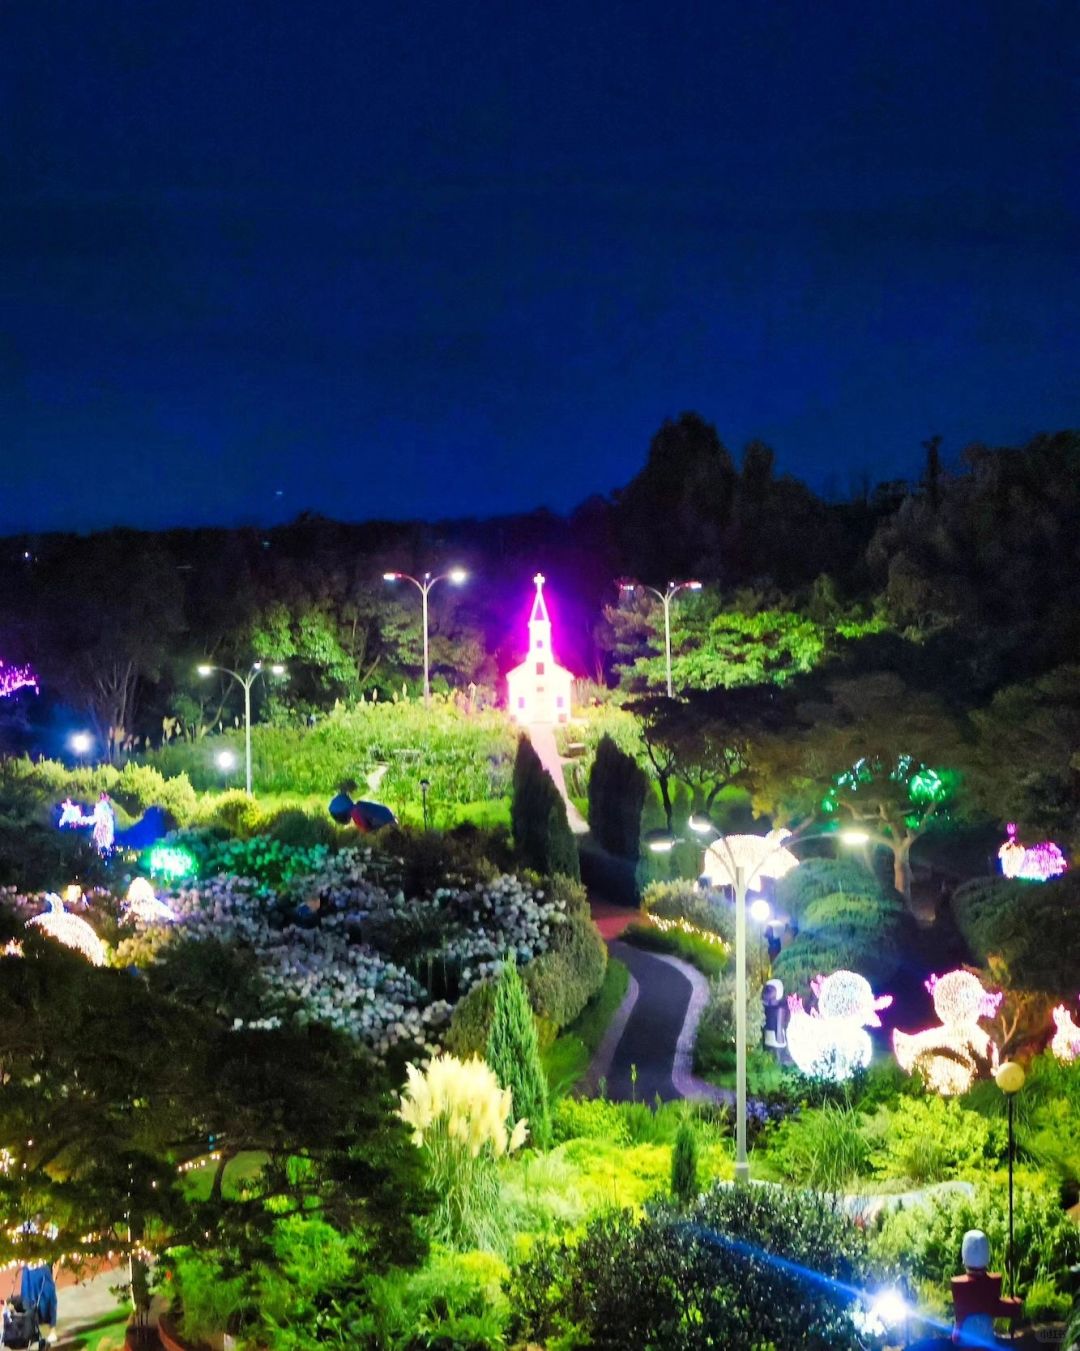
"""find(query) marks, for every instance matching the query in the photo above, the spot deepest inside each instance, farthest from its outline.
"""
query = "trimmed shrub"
(617, 789)
(295, 826)
(513, 1053)
(707, 1276)
(541, 831)
(1032, 926)
(818, 877)
(233, 811)
(686, 900)
(562, 980)
(470, 1022)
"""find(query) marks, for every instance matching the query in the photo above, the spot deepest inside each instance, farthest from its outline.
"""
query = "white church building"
(539, 689)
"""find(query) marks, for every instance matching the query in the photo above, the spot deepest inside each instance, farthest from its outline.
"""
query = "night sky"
(434, 259)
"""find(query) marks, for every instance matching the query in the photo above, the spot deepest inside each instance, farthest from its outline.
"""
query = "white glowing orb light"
(760, 910)
(81, 742)
(831, 1041)
(143, 904)
(70, 930)
(225, 761)
(950, 1056)
(1034, 863)
(1066, 1041)
(754, 856)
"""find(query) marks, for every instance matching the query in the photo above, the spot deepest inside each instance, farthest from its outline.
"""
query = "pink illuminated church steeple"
(539, 689)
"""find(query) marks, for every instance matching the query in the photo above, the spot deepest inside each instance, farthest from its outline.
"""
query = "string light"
(692, 930)
(70, 930)
(950, 1056)
(1033, 863)
(831, 1041)
(1066, 1041)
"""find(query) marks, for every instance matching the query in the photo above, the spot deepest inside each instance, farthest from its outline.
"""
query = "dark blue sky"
(443, 259)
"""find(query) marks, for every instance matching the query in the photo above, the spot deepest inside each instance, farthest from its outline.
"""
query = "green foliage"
(684, 1166)
(1031, 926)
(513, 1053)
(562, 980)
(617, 788)
(233, 811)
(454, 1301)
(716, 1030)
(589, 1119)
(266, 859)
(819, 877)
(700, 950)
(931, 1139)
(686, 900)
(710, 1278)
(542, 834)
(470, 1022)
(825, 1148)
(925, 1239)
(568, 1057)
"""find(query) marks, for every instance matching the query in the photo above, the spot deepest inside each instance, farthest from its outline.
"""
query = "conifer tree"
(513, 1052)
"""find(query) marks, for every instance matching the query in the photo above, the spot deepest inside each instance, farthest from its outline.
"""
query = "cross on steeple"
(539, 619)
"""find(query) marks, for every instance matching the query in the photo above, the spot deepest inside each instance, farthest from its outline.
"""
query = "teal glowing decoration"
(172, 862)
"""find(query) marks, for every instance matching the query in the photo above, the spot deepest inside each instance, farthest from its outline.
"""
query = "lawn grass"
(107, 1334)
(568, 1057)
(246, 1165)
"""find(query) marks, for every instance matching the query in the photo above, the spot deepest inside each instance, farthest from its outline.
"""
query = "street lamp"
(81, 743)
(245, 681)
(1010, 1077)
(665, 598)
(454, 575)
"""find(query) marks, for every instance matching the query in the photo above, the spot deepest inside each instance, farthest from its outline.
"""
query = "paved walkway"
(88, 1305)
(542, 736)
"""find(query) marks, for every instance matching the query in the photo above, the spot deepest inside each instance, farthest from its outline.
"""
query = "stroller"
(21, 1327)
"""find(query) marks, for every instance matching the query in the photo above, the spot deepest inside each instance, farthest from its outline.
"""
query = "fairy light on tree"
(952, 1055)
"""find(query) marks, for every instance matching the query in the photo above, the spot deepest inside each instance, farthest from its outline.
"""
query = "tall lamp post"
(455, 575)
(665, 598)
(1009, 1077)
(246, 682)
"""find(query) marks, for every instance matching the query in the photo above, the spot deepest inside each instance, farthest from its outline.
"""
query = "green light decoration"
(926, 787)
(171, 862)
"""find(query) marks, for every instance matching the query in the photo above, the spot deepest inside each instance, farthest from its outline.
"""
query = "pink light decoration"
(15, 678)
(755, 856)
(949, 1056)
(1034, 863)
(1066, 1041)
(831, 1041)
(539, 689)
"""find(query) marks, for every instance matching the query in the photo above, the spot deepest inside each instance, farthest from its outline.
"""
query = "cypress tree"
(542, 834)
(513, 1052)
(617, 788)
(684, 1165)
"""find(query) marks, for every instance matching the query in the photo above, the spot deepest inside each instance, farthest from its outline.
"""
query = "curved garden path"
(655, 1027)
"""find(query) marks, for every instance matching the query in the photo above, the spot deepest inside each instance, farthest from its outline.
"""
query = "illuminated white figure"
(1034, 863)
(950, 1057)
(538, 690)
(102, 821)
(144, 905)
(831, 1041)
(1066, 1041)
(754, 856)
(70, 930)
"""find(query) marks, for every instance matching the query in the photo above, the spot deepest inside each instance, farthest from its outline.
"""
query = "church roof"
(539, 610)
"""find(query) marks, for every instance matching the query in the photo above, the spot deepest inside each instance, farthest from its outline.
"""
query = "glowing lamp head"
(457, 576)
(693, 586)
(277, 669)
(391, 576)
(204, 670)
(225, 760)
(760, 910)
(80, 742)
(855, 837)
(1010, 1077)
(660, 841)
(702, 824)
(890, 1309)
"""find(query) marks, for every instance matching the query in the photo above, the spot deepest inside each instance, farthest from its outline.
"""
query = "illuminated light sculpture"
(70, 930)
(538, 690)
(143, 904)
(951, 1056)
(1066, 1040)
(101, 821)
(172, 861)
(1034, 863)
(831, 1041)
(15, 678)
(754, 856)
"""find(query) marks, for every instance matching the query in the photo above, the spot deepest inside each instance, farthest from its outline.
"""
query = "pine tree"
(684, 1165)
(513, 1052)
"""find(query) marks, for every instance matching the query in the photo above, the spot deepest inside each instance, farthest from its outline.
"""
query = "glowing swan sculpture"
(70, 930)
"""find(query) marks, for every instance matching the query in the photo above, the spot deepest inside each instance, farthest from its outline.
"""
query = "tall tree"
(513, 1052)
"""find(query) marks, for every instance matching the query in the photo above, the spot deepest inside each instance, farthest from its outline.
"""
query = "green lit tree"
(513, 1052)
